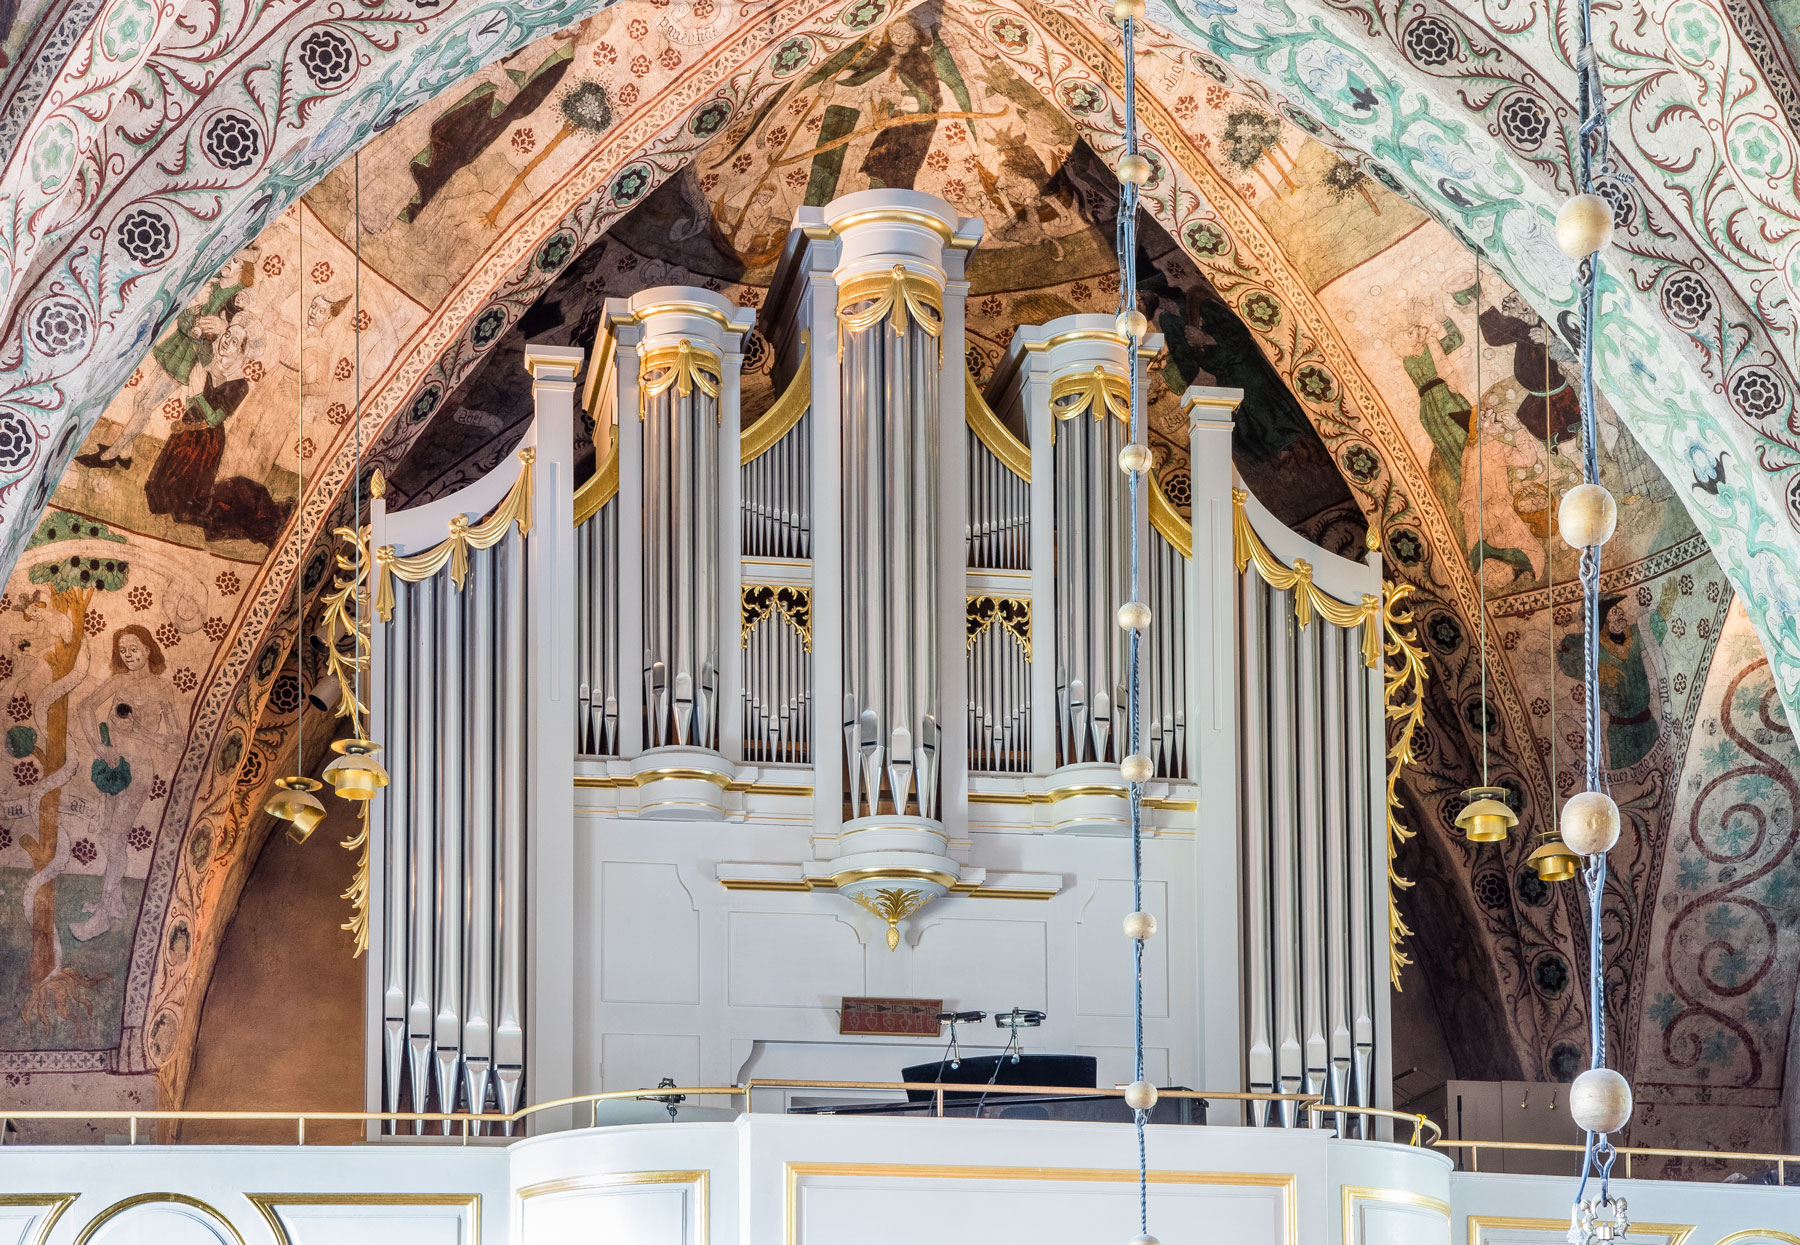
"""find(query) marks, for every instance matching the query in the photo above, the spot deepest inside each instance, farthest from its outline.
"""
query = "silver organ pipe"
(891, 328)
(1165, 668)
(777, 505)
(453, 703)
(597, 581)
(1314, 869)
(999, 518)
(676, 349)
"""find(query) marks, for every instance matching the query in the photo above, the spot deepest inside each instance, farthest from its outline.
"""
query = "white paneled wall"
(771, 1179)
(679, 976)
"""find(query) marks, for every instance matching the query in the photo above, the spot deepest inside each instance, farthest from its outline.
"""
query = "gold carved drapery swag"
(898, 295)
(1099, 391)
(1249, 550)
(686, 367)
(454, 549)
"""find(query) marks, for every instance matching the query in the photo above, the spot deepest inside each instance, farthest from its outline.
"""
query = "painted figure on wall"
(1445, 416)
(1501, 534)
(189, 345)
(1627, 696)
(1550, 404)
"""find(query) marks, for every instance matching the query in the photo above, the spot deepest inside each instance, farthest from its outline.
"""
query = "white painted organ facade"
(831, 704)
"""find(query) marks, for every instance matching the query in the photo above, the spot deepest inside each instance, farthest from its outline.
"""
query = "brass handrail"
(1420, 1123)
(1565, 1147)
(467, 1121)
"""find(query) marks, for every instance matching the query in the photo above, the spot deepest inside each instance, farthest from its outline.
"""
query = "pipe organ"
(888, 638)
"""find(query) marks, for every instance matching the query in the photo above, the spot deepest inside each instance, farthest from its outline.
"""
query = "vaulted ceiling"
(655, 142)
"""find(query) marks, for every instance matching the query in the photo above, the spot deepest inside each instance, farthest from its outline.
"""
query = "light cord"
(300, 488)
(356, 331)
(1127, 248)
(1481, 544)
(1592, 151)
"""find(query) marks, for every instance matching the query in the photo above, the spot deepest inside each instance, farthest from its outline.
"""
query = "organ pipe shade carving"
(889, 389)
(679, 409)
(998, 631)
(777, 698)
(1092, 518)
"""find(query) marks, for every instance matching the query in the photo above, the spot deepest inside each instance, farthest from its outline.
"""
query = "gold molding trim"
(1674, 1233)
(686, 367)
(146, 1199)
(1748, 1234)
(699, 1179)
(54, 1206)
(988, 429)
(454, 549)
(892, 294)
(1249, 550)
(1403, 701)
(792, 601)
(600, 488)
(1013, 614)
(900, 215)
(1071, 793)
(269, 1204)
(1354, 1194)
(776, 422)
(1167, 520)
(969, 889)
(792, 1173)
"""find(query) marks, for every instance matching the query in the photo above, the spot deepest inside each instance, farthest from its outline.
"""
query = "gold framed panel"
(1672, 1233)
(269, 1204)
(118, 1208)
(698, 1179)
(792, 1173)
(1356, 1195)
(54, 1206)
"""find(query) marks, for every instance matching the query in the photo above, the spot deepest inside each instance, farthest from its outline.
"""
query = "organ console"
(861, 652)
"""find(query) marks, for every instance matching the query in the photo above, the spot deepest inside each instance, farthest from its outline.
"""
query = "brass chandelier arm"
(515, 507)
(1249, 550)
(776, 422)
(993, 434)
(1405, 706)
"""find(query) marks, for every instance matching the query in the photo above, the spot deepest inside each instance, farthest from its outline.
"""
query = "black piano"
(972, 1100)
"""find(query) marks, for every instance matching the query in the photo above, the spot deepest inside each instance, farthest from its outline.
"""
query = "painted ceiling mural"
(511, 205)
